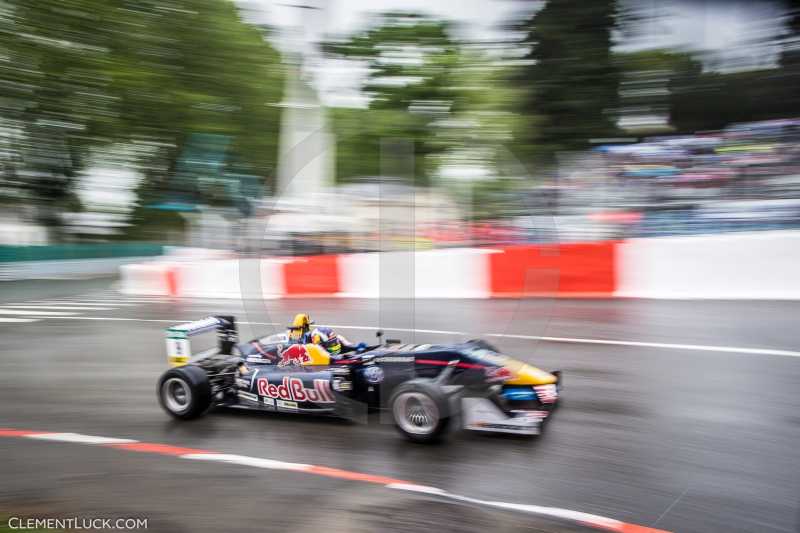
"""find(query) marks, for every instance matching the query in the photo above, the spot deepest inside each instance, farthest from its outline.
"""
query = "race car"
(423, 387)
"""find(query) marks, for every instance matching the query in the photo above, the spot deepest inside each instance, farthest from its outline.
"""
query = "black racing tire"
(420, 410)
(184, 392)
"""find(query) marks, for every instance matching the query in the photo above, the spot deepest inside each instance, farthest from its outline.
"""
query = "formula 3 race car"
(422, 386)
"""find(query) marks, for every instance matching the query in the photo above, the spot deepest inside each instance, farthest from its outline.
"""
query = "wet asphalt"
(678, 439)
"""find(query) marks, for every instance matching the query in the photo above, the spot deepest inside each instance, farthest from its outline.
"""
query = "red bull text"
(293, 389)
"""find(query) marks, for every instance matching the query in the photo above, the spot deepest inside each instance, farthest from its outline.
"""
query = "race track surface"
(688, 420)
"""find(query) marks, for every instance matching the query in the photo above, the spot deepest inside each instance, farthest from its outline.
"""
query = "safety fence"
(759, 265)
(71, 260)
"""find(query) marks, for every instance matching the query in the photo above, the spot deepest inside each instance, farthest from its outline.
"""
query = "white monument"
(306, 149)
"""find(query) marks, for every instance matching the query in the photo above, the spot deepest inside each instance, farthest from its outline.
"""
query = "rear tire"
(420, 410)
(184, 392)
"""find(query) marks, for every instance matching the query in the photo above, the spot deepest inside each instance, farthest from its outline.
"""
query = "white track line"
(611, 342)
(244, 460)
(125, 301)
(402, 330)
(556, 512)
(596, 521)
(57, 307)
(413, 487)
(77, 302)
(5, 319)
(665, 345)
(79, 438)
(570, 340)
(48, 314)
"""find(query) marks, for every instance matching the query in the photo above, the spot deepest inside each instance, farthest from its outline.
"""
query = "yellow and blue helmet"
(300, 326)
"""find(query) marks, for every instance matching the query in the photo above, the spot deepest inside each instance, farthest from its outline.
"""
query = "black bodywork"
(257, 375)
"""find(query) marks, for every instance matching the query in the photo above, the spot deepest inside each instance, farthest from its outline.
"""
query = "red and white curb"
(599, 522)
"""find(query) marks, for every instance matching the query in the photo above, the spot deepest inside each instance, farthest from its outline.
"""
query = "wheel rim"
(177, 395)
(416, 413)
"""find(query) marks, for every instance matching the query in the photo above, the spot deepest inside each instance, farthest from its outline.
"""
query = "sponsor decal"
(503, 427)
(293, 389)
(546, 393)
(500, 373)
(342, 385)
(194, 327)
(373, 374)
(296, 354)
(247, 396)
(518, 394)
(410, 347)
(394, 359)
(282, 404)
(178, 351)
(242, 383)
(489, 357)
(531, 414)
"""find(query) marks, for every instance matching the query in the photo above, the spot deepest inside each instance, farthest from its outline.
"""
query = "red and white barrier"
(762, 265)
(561, 270)
(448, 273)
(728, 266)
(517, 271)
(153, 278)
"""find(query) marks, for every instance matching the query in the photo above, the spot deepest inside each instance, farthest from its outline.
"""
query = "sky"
(726, 34)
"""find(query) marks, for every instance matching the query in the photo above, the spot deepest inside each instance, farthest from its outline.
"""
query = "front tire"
(420, 410)
(184, 392)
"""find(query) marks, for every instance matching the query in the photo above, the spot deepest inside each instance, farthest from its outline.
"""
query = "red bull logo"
(293, 389)
(296, 354)
(498, 373)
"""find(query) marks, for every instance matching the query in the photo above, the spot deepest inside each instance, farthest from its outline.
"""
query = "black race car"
(422, 386)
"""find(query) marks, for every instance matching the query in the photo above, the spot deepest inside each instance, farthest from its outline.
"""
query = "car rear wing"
(179, 349)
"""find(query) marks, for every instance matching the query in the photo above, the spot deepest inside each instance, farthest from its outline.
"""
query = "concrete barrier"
(448, 273)
(223, 278)
(554, 270)
(155, 278)
(729, 266)
(761, 265)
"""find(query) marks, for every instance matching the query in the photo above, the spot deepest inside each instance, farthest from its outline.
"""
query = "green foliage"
(713, 100)
(81, 74)
(357, 142)
(570, 82)
(651, 80)
(479, 130)
(698, 101)
(412, 62)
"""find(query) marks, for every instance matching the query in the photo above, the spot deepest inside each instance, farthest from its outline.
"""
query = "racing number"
(178, 352)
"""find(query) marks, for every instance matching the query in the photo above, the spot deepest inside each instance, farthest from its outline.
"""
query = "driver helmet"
(300, 326)
(326, 338)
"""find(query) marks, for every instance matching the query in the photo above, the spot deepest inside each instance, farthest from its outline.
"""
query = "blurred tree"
(701, 99)
(54, 103)
(713, 100)
(479, 128)
(570, 80)
(412, 61)
(357, 141)
(789, 62)
(651, 83)
(81, 74)
(476, 161)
